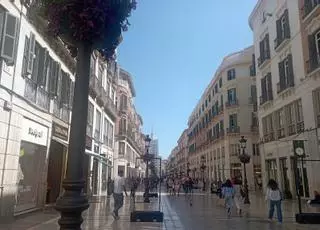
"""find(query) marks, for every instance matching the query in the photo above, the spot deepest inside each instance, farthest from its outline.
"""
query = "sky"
(172, 50)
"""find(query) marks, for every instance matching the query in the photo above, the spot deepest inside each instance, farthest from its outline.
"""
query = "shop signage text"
(34, 132)
(60, 131)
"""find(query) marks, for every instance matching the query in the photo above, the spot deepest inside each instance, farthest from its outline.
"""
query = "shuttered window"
(9, 37)
(25, 57)
(65, 88)
(31, 53)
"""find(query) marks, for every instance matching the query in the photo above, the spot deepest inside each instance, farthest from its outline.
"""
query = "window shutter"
(34, 74)
(58, 80)
(9, 37)
(263, 88)
(261, 44)
(52, 75)
(269, 86)
(41, 66)
(291, 74)
(71, 94)
(267, 52)
(31, 55)
(282, 75)
(313, 55)
(279, 34)
(25, 57)
(287, 24)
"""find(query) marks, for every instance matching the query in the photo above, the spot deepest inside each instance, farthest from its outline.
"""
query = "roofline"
(254, 11)
(133, 91)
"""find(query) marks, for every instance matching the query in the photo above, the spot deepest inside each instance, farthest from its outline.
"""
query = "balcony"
(269, 137)
(313, 65)
(281, 88)
(95, 86)
(291, 129)
(308, 8)
(61, 111)
(233, 130)
(280, 133)
(232, 103)
(266, 98)
(264, 59)
(110, 107)
(36, 94)
(300, 126)
(221, 133)
(280, 42)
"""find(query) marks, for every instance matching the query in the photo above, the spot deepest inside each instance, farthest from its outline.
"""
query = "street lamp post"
(147, 159)
(203, 167)
(245, 159)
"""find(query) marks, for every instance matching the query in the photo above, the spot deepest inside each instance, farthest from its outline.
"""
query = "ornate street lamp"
(203, 167)
(245, 159)
(147, 157)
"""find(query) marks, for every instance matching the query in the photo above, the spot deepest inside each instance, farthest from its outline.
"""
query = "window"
(280, 119)
(234, 149)
(283, 28)
(123, 126)
(222, 126)
(90, 119)
(209, 98)
(316, 103)
(264, 50)
(216, 88)
(105, 131)
(233, 123)
(97, 126)
(232, 96)
(267, 126)
(309, 5)
(221, 100)
(255, 150)
(253, 92)
(231, 74)
(220, 82)
(266, 89)
(9, 28)
(299, 116)
(122, 148)
(291, 118)
(111, 135)
(123, 102)
(285, 74)
(314, 51)
(206, 103)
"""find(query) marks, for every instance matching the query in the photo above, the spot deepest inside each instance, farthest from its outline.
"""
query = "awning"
(100, 158)
(63, 142)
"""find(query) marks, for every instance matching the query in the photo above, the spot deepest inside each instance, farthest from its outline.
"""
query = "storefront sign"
(60, 131)
(34, 132)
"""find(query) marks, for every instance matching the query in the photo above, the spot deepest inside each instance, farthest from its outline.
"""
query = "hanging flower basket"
(96, 22)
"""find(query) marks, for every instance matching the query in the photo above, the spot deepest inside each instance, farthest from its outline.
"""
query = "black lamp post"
(188, 169)
(245, 159)
(147, 158)
(203, 167)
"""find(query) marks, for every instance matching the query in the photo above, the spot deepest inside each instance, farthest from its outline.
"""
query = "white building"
(129, 138)
(36, 94)
(225, 112)
(287, 95)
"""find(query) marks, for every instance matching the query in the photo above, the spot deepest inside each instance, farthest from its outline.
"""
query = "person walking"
(119, 189)
(238, 195)
(273, 195)
(228, 193)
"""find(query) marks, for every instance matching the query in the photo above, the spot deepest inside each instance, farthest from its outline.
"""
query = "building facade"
(129, 139)
(285, 39)
(36, 97)
(225, 112)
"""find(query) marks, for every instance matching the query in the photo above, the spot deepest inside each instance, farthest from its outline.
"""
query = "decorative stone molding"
(313, 26)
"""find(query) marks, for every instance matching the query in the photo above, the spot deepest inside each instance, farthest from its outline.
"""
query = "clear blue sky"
(172, 50)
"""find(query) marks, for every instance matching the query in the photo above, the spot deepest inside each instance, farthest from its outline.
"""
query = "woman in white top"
(273, 195)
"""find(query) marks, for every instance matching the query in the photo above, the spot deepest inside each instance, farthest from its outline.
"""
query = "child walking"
(228, 193)
(273, 195)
